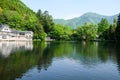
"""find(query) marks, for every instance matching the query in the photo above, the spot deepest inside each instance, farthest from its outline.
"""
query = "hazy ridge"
(89, 17)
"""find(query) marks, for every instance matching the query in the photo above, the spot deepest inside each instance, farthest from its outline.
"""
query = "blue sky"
(67, 9)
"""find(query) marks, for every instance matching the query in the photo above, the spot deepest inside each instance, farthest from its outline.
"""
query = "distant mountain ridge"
(87, 17)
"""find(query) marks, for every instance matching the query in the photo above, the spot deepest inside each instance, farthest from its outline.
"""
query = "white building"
(13, 35)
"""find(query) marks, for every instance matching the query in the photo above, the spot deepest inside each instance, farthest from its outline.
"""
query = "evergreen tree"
(46, 20)
(109, 34)
(118, 29)
(40, 16)
(103, 26)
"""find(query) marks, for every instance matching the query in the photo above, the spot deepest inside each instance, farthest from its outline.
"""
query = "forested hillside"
(18, 16)
(85, 18)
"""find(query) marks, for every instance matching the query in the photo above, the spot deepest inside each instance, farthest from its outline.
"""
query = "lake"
(59, 61)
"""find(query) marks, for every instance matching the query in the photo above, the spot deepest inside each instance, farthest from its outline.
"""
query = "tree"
(113, 29)
(87, 32)
(109, 34)
(46, 20)
(114, 24)
(67, 32)
(1, 10)
(118, 29)
(39, 32)
(40, 16)
(57, 32)
(103, 26)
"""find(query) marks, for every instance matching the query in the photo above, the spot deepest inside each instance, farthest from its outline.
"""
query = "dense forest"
(18, 16)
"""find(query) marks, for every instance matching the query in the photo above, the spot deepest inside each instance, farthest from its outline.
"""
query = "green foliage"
(67, 30)
(57, 32)
(114, 25)
(87, 32)
(46, 20)
(60, 32)
(103, 26)
(39, 32)
(118, 29)
(1, 10)
(109, 34)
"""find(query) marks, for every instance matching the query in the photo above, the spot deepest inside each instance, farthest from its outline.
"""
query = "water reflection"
(6, 47)
(23, 58)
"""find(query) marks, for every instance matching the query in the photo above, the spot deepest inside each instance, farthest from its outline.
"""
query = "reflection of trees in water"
(117, 47)
(16, 64)
(53, 50)
(118, 62)
(106, 51)
(110, 51)
(95, 53)
(46, 60)
(61, 49)
(87, 53)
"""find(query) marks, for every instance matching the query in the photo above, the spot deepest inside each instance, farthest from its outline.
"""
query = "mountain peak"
(90, 13)
(90, 17)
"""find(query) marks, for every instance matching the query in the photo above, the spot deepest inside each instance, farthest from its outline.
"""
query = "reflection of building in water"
(6, 47)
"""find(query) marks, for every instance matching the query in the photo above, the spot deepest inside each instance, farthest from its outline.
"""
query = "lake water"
(59, 61)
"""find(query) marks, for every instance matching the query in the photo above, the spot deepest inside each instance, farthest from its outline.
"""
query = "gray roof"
(16, 31)
(13, 31)
(2, 26)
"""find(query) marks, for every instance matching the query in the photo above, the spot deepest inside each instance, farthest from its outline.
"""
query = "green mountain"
(17, 12)
(87, 17)
(18, 16)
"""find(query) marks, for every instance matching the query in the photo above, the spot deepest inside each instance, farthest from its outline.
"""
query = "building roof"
(13, 31)
(16, 31)
(3, 25)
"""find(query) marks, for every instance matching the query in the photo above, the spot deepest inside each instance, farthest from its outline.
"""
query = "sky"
(67, 9)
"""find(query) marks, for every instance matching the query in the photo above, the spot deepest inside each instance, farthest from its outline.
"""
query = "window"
(13, 36)
(6, 29)
(4, 37)
(21, 33)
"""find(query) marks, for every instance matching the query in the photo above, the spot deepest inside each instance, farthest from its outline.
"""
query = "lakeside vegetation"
(18, 16)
